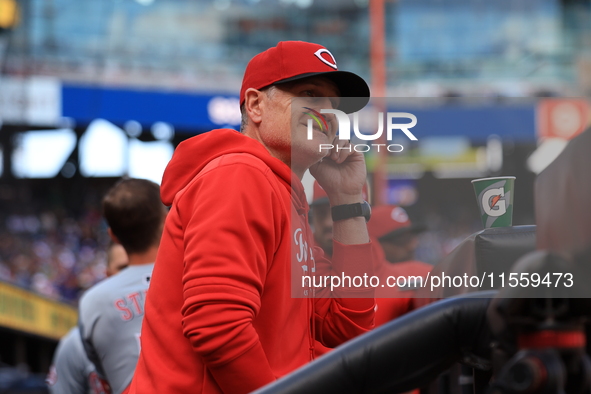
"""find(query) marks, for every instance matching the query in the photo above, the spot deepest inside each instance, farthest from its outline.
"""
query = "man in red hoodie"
(228, 311)
(395, 239)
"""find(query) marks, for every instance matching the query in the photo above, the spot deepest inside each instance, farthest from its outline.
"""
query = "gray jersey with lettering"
(71, 369)
(110, 321)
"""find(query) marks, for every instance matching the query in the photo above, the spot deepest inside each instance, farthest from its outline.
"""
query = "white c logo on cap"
(398, 214)
(319, 53)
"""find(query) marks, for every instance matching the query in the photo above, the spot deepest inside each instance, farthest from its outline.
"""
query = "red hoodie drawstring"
(310, 303)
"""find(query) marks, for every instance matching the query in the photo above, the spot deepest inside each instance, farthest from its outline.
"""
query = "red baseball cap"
(390, 220)
(319, 195)
(293, 60)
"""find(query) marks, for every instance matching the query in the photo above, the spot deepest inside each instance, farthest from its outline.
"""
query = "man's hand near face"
(342, 175)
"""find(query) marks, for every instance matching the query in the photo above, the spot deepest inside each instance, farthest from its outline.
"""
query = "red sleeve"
(349, 311)
(230, 236)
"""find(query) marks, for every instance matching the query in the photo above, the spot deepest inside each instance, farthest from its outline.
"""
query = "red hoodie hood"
(193, 154)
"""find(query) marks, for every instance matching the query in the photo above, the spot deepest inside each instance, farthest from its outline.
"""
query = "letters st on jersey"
(372, 129)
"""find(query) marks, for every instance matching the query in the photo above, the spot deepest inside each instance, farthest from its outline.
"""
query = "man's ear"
(113, 237)
(253, 104)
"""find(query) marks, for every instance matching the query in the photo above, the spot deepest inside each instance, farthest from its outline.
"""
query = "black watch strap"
(347, 211)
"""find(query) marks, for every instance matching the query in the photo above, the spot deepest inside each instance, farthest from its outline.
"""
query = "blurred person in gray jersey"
(112, 311)
(71, 371)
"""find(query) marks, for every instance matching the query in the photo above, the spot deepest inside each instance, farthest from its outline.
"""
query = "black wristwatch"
(342, 212)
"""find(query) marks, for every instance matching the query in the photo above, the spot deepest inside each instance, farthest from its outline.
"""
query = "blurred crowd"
(59, 255)
(53, 253)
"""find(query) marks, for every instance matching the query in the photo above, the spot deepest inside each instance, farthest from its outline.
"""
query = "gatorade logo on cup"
(493, 203)
(495, 200)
